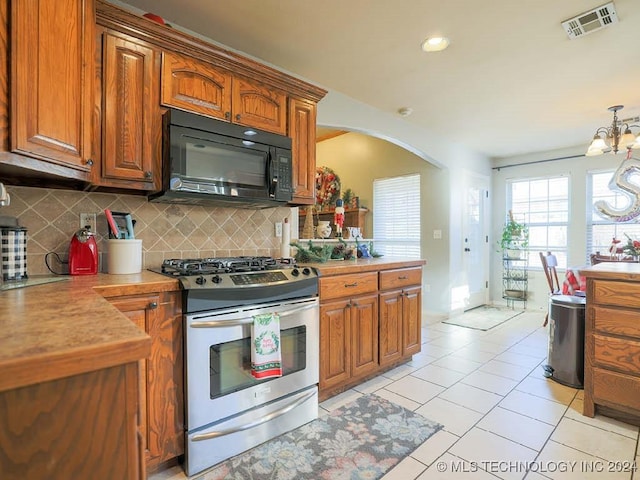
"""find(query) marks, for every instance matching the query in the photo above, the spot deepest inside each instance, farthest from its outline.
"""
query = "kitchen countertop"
(55, 330)
(613, 271)
(361, 265)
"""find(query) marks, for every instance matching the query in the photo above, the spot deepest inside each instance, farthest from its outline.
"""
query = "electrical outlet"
(426, 288)
(278, 229)
(88, 219)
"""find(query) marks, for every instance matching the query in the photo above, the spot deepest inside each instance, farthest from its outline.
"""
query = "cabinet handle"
(354, 284)
(227, 115)
(152, 305)
(403, 277)
(90, 162)
(148, 174)
(238, 117)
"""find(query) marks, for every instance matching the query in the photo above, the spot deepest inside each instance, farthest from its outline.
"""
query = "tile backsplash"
(167, 230)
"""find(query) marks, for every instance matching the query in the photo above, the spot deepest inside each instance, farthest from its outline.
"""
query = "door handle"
(466, 249)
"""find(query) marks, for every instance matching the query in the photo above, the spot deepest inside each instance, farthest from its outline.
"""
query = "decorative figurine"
(338, 217)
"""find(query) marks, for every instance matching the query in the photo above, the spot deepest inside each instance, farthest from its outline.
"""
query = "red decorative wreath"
(327, 188)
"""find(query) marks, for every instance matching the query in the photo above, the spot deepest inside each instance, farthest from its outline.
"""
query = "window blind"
(396, 216)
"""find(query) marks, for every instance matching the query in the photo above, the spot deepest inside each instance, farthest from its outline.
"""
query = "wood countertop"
(66, 328)
(337, 267)
(613, 271)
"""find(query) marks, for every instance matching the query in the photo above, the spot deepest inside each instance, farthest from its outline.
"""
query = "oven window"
(230, 362)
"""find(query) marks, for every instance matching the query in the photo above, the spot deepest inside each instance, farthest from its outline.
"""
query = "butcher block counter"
(612, 341)
(69, 378)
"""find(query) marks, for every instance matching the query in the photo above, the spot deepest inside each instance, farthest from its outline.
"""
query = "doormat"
(483, 318)
(363, 439)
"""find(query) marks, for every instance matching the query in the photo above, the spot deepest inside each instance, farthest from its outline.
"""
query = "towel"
(266, 360)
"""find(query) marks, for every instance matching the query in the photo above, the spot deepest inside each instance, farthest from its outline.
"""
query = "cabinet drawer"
(400, 277)
(624, 294)
(616, 389)
(348, 285)
(620, 354)
(616, 321)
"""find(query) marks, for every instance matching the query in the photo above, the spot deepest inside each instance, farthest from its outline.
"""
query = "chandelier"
(616, 137)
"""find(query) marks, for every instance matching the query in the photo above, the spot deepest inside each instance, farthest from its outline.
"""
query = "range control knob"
(201, 280)
(306, 271)
(295, 272)
(216, 279)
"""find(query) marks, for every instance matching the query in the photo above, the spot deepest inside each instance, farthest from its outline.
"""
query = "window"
(601, 230)
(396, 216)
(543, 204)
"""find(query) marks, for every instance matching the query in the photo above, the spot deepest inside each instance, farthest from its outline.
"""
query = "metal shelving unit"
(515, 280)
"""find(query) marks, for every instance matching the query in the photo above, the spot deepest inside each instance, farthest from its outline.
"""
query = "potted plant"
(515, 237)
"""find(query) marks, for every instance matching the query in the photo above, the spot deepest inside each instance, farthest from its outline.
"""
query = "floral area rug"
(363, 439)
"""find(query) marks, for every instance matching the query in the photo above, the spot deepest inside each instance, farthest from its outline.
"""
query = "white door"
(475, 240)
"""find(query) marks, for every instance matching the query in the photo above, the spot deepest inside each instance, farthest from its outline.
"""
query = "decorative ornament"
(338, 217)
(327, 187)
(620, 182)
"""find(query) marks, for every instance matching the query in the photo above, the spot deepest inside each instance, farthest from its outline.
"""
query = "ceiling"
(510, 83)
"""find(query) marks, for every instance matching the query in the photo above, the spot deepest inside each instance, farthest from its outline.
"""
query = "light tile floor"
(500, 414)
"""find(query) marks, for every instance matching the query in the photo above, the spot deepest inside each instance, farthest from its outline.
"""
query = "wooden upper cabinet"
(195, 86)
(256, 105)
(52, 48)
(302, 130)
(203, 88)
(131, 119)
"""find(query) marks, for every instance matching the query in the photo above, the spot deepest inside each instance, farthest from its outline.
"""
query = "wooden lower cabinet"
(364, 331)
(612, 348)
(348, 340)
(83, 426)
(161, 375)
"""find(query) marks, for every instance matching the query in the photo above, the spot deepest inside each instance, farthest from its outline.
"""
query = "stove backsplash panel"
(167, 230)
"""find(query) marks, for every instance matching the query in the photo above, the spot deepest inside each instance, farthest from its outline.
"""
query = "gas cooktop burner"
(207, 266)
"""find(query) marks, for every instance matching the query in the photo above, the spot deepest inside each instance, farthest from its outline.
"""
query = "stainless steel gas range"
(229, 411)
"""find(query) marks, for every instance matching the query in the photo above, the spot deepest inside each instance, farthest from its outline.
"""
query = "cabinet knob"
(148, 174)
(90, 162)
(227, 115)
(238, 117)
(152, 305)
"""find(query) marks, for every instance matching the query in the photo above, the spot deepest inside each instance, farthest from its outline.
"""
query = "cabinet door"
(335, 340)
(162, 375)
(302, 130)
(131, 119)
(364, 345)
(391, 337)
(52, 46)
(195, 86)
(412, 321)
(142, 310)
(256, 105)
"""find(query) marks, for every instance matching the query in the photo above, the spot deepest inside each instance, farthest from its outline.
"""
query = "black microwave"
(212, 162)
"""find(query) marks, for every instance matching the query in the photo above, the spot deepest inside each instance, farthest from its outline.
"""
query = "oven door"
(219, 383)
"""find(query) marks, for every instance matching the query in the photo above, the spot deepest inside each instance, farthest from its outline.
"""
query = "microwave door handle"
(273, 178)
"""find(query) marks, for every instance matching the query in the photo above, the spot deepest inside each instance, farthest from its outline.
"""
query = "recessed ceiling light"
(435, 44)
(405, 111)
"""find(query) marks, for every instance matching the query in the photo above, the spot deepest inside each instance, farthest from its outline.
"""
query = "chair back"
(549, 264)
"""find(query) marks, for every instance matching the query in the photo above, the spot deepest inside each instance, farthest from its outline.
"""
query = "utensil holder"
(124, 256)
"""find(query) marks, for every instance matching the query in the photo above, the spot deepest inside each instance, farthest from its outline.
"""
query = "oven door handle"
(246, 320)
(266, 418)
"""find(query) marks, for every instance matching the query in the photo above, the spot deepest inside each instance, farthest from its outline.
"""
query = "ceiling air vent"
(590, 21)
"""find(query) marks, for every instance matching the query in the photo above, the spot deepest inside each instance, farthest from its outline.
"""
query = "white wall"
(576, 169)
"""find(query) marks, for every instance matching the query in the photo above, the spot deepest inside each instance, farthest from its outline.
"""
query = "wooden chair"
(549, 264)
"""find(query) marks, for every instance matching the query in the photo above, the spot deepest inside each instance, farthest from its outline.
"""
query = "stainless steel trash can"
(566, 340)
